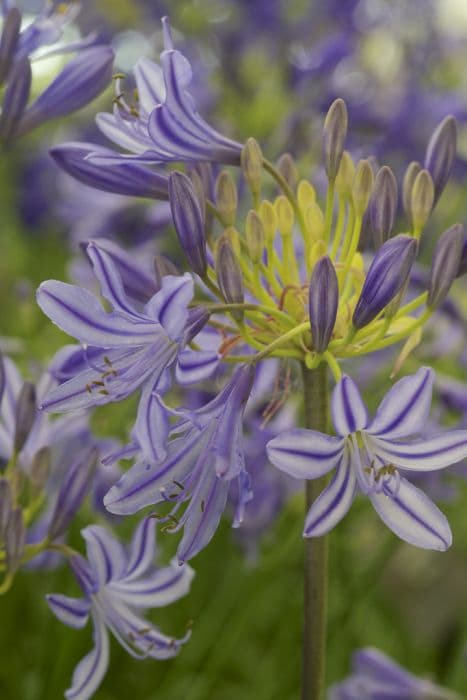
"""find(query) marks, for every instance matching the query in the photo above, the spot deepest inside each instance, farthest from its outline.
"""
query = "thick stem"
(316, 399)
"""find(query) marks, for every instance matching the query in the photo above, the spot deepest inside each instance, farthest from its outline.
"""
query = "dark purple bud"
(383, 205)
(409, 178)
(188, 221)
(73, 490)
(229, 275)
(2, 378)
(25, 414)
(445, 264)
(334, 133)
(80, 81)
(15, 534)
(40, 469)
(5, 506)
(162, 267)
(440, 154)
(323, 302)
(15, 99)
(463, 261)
(128, 178)
(9, 41)
(387, 275)
(197, 319)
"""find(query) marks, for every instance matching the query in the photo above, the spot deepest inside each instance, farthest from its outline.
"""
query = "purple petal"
(109, 280)
(151, 428)
(193, 367)
(142, 548)
(170, 305)
(105, 554)
(91, 670)
(413, 517)
(73, 612)
(305, 454)
(424, 455)
(160, 588)
(333, 503)
(150, 84)
(15, 98)
(349, 413)
(405, 408)
(77, 312)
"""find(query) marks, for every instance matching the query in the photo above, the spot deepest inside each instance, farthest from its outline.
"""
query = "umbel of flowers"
(272, 274)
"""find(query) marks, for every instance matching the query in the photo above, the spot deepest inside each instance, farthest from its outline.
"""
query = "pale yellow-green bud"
(252, 164)
(287, 168)
(269, 219)
(318, 250)
(407, 186)
(362, 186)
(285, 215)
(233, 236)
(254, 232)
(345, 175)
(421, 201)
(226, 198)
(314, 221)
(306, 194)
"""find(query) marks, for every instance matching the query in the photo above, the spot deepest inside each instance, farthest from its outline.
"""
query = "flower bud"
(306, 194)
(199, 190)
(251, 159)
(188, 221)
(15, 98)
(25, 415)
(285, 215)
(229, 275)
(162, 267)
(388, 273)
(322, 303)
(2, 377)
(445, 264)
(345, 175)
(287, 168)
(254, 232)
(362, 186)
(383, 205)
(440, 154)
(463, 261)
(421, 203)
(226, 198)
(407, 186)
(314, 221)
(15, 534)
(40, 469)
(269, 219)
(334, 133)
(233, 236)
(8, 42)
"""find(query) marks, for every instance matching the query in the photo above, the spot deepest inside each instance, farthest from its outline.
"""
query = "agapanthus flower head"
(79, 82)
(204, 459)
(368, 455)
(376, 676)
(118, 584)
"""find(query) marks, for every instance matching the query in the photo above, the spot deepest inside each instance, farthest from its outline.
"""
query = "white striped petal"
(73, 612)
(160, 588)
(424, 455)
(151, 428)
(349, 413)
(77, 312)
(305, 454)
(150, 84)
(333, 503)
(142, 548)
(91, 669)
(405, 408)
(413, 517)
(105, 554)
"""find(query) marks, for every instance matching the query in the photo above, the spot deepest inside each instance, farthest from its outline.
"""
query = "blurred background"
(268, 69)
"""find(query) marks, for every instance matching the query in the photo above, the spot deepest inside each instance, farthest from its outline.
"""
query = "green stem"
(316, 399)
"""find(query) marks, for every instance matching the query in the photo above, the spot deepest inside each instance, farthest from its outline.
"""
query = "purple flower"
(117, 582)
(127, 347)
(367, 456)
(203, 457)
(377, 677)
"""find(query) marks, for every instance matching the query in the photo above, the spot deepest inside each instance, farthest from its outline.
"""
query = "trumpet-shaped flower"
(126, 347)
(117, 583)
(204, 456)
(367, 456)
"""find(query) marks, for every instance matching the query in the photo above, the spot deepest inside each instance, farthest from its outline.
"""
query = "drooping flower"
(376, 677)
(203, 458)
(118, 583)
(367, 456)
(127, 347)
